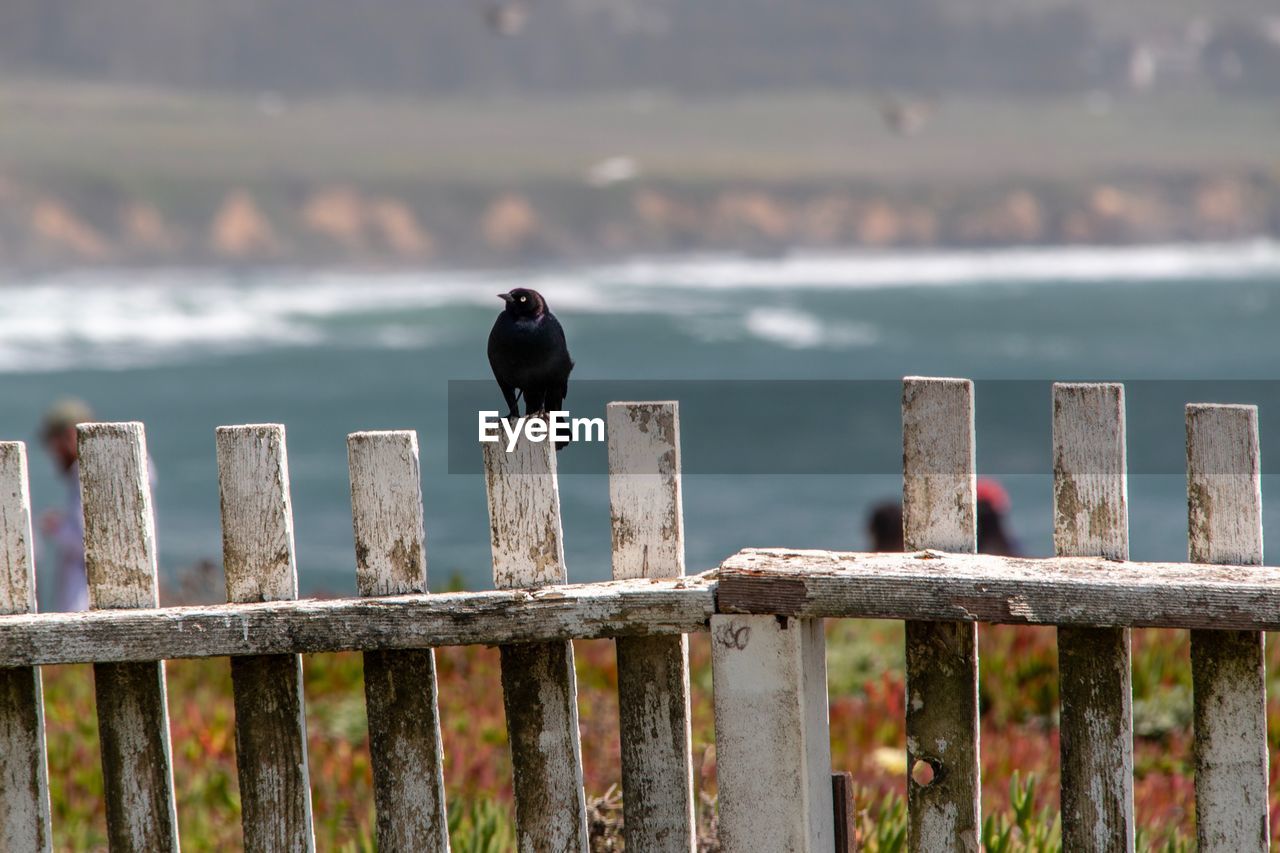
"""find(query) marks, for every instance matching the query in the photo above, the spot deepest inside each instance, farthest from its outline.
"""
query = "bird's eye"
(524, 299)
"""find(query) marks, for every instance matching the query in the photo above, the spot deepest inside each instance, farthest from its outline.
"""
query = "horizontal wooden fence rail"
(764, 609)
(809, 584)
(999, 590)
(308, 626)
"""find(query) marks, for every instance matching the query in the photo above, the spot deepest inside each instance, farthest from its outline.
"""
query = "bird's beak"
(505, 297)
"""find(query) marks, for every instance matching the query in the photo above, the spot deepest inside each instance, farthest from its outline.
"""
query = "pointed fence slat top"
(119, 527)
(257, 515)
(17, 560)
(386, 513)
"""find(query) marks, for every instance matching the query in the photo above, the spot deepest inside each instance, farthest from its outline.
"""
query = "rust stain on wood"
(742, 592)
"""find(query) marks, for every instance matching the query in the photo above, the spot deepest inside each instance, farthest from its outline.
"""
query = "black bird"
(529, 355)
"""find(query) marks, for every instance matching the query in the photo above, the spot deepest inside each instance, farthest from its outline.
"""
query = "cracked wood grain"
(939, 511)
(1091, 518)
(133, 713)
(258, 558)
(400, 686)
(24, 777)
(1006, 590)
(653, 672)
(1224, 514)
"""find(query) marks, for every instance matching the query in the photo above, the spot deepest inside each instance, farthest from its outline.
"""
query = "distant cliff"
(348, 225)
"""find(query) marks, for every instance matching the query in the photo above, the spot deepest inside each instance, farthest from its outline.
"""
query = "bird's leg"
(512, 397)
(534, 404)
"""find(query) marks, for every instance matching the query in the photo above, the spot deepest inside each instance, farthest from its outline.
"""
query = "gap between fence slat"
(653, 672)
(1224, 509)
(120, 562)
(1091, 518)
(258, 558)
(400, 686)
(538, 683)
(24, 777)
(939, 511)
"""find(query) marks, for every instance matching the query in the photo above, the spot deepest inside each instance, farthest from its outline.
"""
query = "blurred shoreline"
(342, 226)
(120, 176)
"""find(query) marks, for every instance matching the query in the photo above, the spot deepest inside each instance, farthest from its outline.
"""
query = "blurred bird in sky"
(905, 117)
(506, 18)
(529, 355)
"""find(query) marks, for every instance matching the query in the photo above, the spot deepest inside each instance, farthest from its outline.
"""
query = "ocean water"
(327, 353)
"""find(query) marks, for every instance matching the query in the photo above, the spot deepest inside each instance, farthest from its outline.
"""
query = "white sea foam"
(801, 330)
(115, 318)
(872, 269)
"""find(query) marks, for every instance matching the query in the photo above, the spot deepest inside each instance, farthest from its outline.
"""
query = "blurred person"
(884, 523)
(994, 535)
(884, 526)
(64, 528)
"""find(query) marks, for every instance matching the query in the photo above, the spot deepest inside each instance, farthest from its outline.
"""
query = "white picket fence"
(764, 609)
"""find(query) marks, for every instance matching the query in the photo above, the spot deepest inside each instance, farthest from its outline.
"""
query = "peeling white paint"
(24, 777)
(773, 747)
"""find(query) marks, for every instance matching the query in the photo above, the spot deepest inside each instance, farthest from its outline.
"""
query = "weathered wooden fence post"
(258, 558)
(653, 672)
(400, 686)
(133, 713)
(1224, 492)
(24, 778)
(1091, 519)
(773, 742)
(539, 686)
(938, 511)
(773, 747)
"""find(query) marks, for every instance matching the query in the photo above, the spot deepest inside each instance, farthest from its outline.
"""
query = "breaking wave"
(123, 318)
